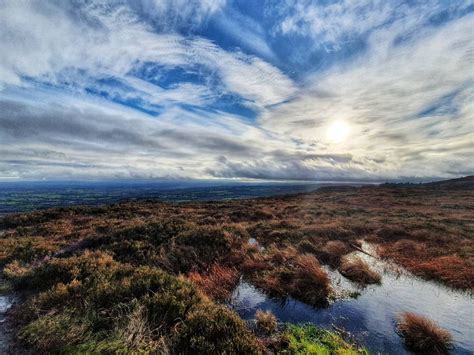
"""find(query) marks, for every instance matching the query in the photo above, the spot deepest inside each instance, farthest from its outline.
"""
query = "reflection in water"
(5, 335)
(371, 317)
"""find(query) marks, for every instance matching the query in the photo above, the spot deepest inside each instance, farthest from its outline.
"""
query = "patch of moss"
(310, 339)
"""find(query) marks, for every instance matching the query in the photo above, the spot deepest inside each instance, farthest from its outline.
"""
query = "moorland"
(153, 276)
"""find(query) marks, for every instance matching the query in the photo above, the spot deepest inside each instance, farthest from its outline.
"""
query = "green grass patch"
(310, 339)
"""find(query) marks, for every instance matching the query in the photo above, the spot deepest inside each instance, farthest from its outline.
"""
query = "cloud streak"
(154, 89)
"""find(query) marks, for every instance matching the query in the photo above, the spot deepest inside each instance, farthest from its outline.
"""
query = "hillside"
(147, 275)
(464, 183)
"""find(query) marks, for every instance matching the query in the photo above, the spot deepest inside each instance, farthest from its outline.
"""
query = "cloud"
(245, 30)
(395, 100)
(45, 42)
(61, 136)
(333, 24)
(134, 89)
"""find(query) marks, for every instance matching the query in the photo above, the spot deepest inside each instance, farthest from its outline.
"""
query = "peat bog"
(148, 276)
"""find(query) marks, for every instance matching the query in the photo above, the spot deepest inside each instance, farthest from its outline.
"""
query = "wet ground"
(6, 301)
(370, 319)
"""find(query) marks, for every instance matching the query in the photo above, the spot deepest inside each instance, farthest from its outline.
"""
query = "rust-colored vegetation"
(217, 283)
(145, 276)
(423, 335)
(357, 270)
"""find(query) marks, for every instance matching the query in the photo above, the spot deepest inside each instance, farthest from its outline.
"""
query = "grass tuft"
(357, 270)
(423, 335)
(217, 283)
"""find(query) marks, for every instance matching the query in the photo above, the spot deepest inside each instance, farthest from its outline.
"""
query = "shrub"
(423, 335)
(57, 270)
(392, 233)
(265, 321)
(299, 276)
(215, 329)
(107, 307)
(54, 332)
(198, 248)
(408, 248)
(357, 270)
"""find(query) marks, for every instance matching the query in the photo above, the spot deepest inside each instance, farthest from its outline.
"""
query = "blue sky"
(278, 90)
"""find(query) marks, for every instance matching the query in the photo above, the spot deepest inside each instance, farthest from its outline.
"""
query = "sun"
(338, 131)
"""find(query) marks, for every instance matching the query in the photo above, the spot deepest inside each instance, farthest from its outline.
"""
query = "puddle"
(370, 319)
(6, 301)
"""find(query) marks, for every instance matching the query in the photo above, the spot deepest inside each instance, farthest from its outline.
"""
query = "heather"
(148, 276)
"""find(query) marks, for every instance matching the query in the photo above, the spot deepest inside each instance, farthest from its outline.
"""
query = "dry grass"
(423, 335)
(217, 283)
(333, 251)
(357, 270)
(310, 283)
(266, 321)
(285, 272)
(452, 269)
(427, 231)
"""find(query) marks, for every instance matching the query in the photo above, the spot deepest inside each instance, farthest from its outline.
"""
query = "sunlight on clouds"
(338, 131)
(147, 89)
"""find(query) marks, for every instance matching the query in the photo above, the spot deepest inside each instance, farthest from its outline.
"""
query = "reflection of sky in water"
(5, 304)
(371, 317)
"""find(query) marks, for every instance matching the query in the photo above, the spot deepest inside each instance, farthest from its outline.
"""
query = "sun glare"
(338, 131)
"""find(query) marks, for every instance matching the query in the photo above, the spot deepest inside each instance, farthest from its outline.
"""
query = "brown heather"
(111, 279)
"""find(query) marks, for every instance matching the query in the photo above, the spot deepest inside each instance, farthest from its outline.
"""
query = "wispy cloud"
(207, 89)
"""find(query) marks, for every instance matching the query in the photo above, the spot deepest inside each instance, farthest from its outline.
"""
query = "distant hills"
(464, 183)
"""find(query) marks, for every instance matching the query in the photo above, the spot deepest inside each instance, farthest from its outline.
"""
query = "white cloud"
(333, 24)
(382, 96)
(41, 40)
(248, 32)
(409, 104)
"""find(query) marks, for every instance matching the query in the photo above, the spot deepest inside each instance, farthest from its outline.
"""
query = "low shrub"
(56, 331)
(423, 335)
(198, 248)
(215, 329)
(265, 321)
(392, 233)
(290, 274)
(105, 307)
(58, 270)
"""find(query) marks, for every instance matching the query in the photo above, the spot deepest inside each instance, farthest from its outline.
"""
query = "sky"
(350, 90)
